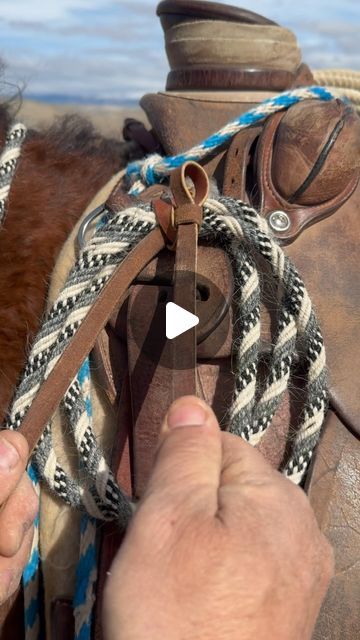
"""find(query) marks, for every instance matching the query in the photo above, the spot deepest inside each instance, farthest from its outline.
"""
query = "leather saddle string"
(114, 292)
(187, 220)
(183, 373)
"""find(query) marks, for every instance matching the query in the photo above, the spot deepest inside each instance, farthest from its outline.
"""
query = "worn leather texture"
(334, 494)
(321, 166)
(210, 43)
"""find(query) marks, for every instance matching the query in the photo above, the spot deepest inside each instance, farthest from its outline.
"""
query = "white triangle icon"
(178, 320)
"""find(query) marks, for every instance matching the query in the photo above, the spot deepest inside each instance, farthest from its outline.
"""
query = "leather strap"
(187, 220)
(111, 535)
(183, 373)
(196, 78)
(237, 162)
(113, 293)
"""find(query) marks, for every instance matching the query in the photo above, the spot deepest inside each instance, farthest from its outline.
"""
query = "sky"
(107, 51)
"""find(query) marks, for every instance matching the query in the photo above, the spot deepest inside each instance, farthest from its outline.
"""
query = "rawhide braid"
(240, 230)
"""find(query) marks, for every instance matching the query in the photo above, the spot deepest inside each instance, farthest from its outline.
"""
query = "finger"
(188, 462)
(14, 453)
(11, 569)
(17, 517)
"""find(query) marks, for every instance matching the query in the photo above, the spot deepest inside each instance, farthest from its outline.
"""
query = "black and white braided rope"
(241, 231)
(8, 162)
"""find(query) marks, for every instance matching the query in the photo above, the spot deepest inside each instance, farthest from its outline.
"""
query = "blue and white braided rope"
(86, 572)
(31, 575)
(155, 168)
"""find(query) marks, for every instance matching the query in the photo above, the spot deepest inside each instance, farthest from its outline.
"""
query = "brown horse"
(60, 169)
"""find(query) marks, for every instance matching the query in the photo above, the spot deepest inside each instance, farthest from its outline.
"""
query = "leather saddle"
(301, 171)
(297, 163)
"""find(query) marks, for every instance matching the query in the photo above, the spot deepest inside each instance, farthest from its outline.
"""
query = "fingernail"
(186, 415)
(9, 456)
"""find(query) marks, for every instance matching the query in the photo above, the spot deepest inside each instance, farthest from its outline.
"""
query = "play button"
(153, 321)
(178, 320)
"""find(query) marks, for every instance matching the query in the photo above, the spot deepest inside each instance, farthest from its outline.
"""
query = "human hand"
(222, 547)
(18, 508)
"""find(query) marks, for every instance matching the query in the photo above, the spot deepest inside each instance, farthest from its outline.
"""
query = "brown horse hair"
(61, 168)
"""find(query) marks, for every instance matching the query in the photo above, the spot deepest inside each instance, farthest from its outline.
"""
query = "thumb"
(13, 460)
(187, 466)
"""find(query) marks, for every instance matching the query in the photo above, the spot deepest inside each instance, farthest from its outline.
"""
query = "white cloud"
(113, 49)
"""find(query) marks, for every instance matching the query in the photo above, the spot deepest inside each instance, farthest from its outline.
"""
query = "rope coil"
(240, 230)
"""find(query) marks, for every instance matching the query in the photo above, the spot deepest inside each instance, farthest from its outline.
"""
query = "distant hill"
(107, 119)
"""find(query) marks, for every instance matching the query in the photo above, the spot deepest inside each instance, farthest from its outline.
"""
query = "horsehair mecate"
(240, 229)
(8, 161)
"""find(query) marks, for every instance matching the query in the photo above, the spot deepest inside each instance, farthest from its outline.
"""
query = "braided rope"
(344, 78)
(240, 229)
(343, 83)
(8, 162)
(96, 491)
(31, 575)
(155, 167)
(86, 571)
(296, 320)
(86, 575)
